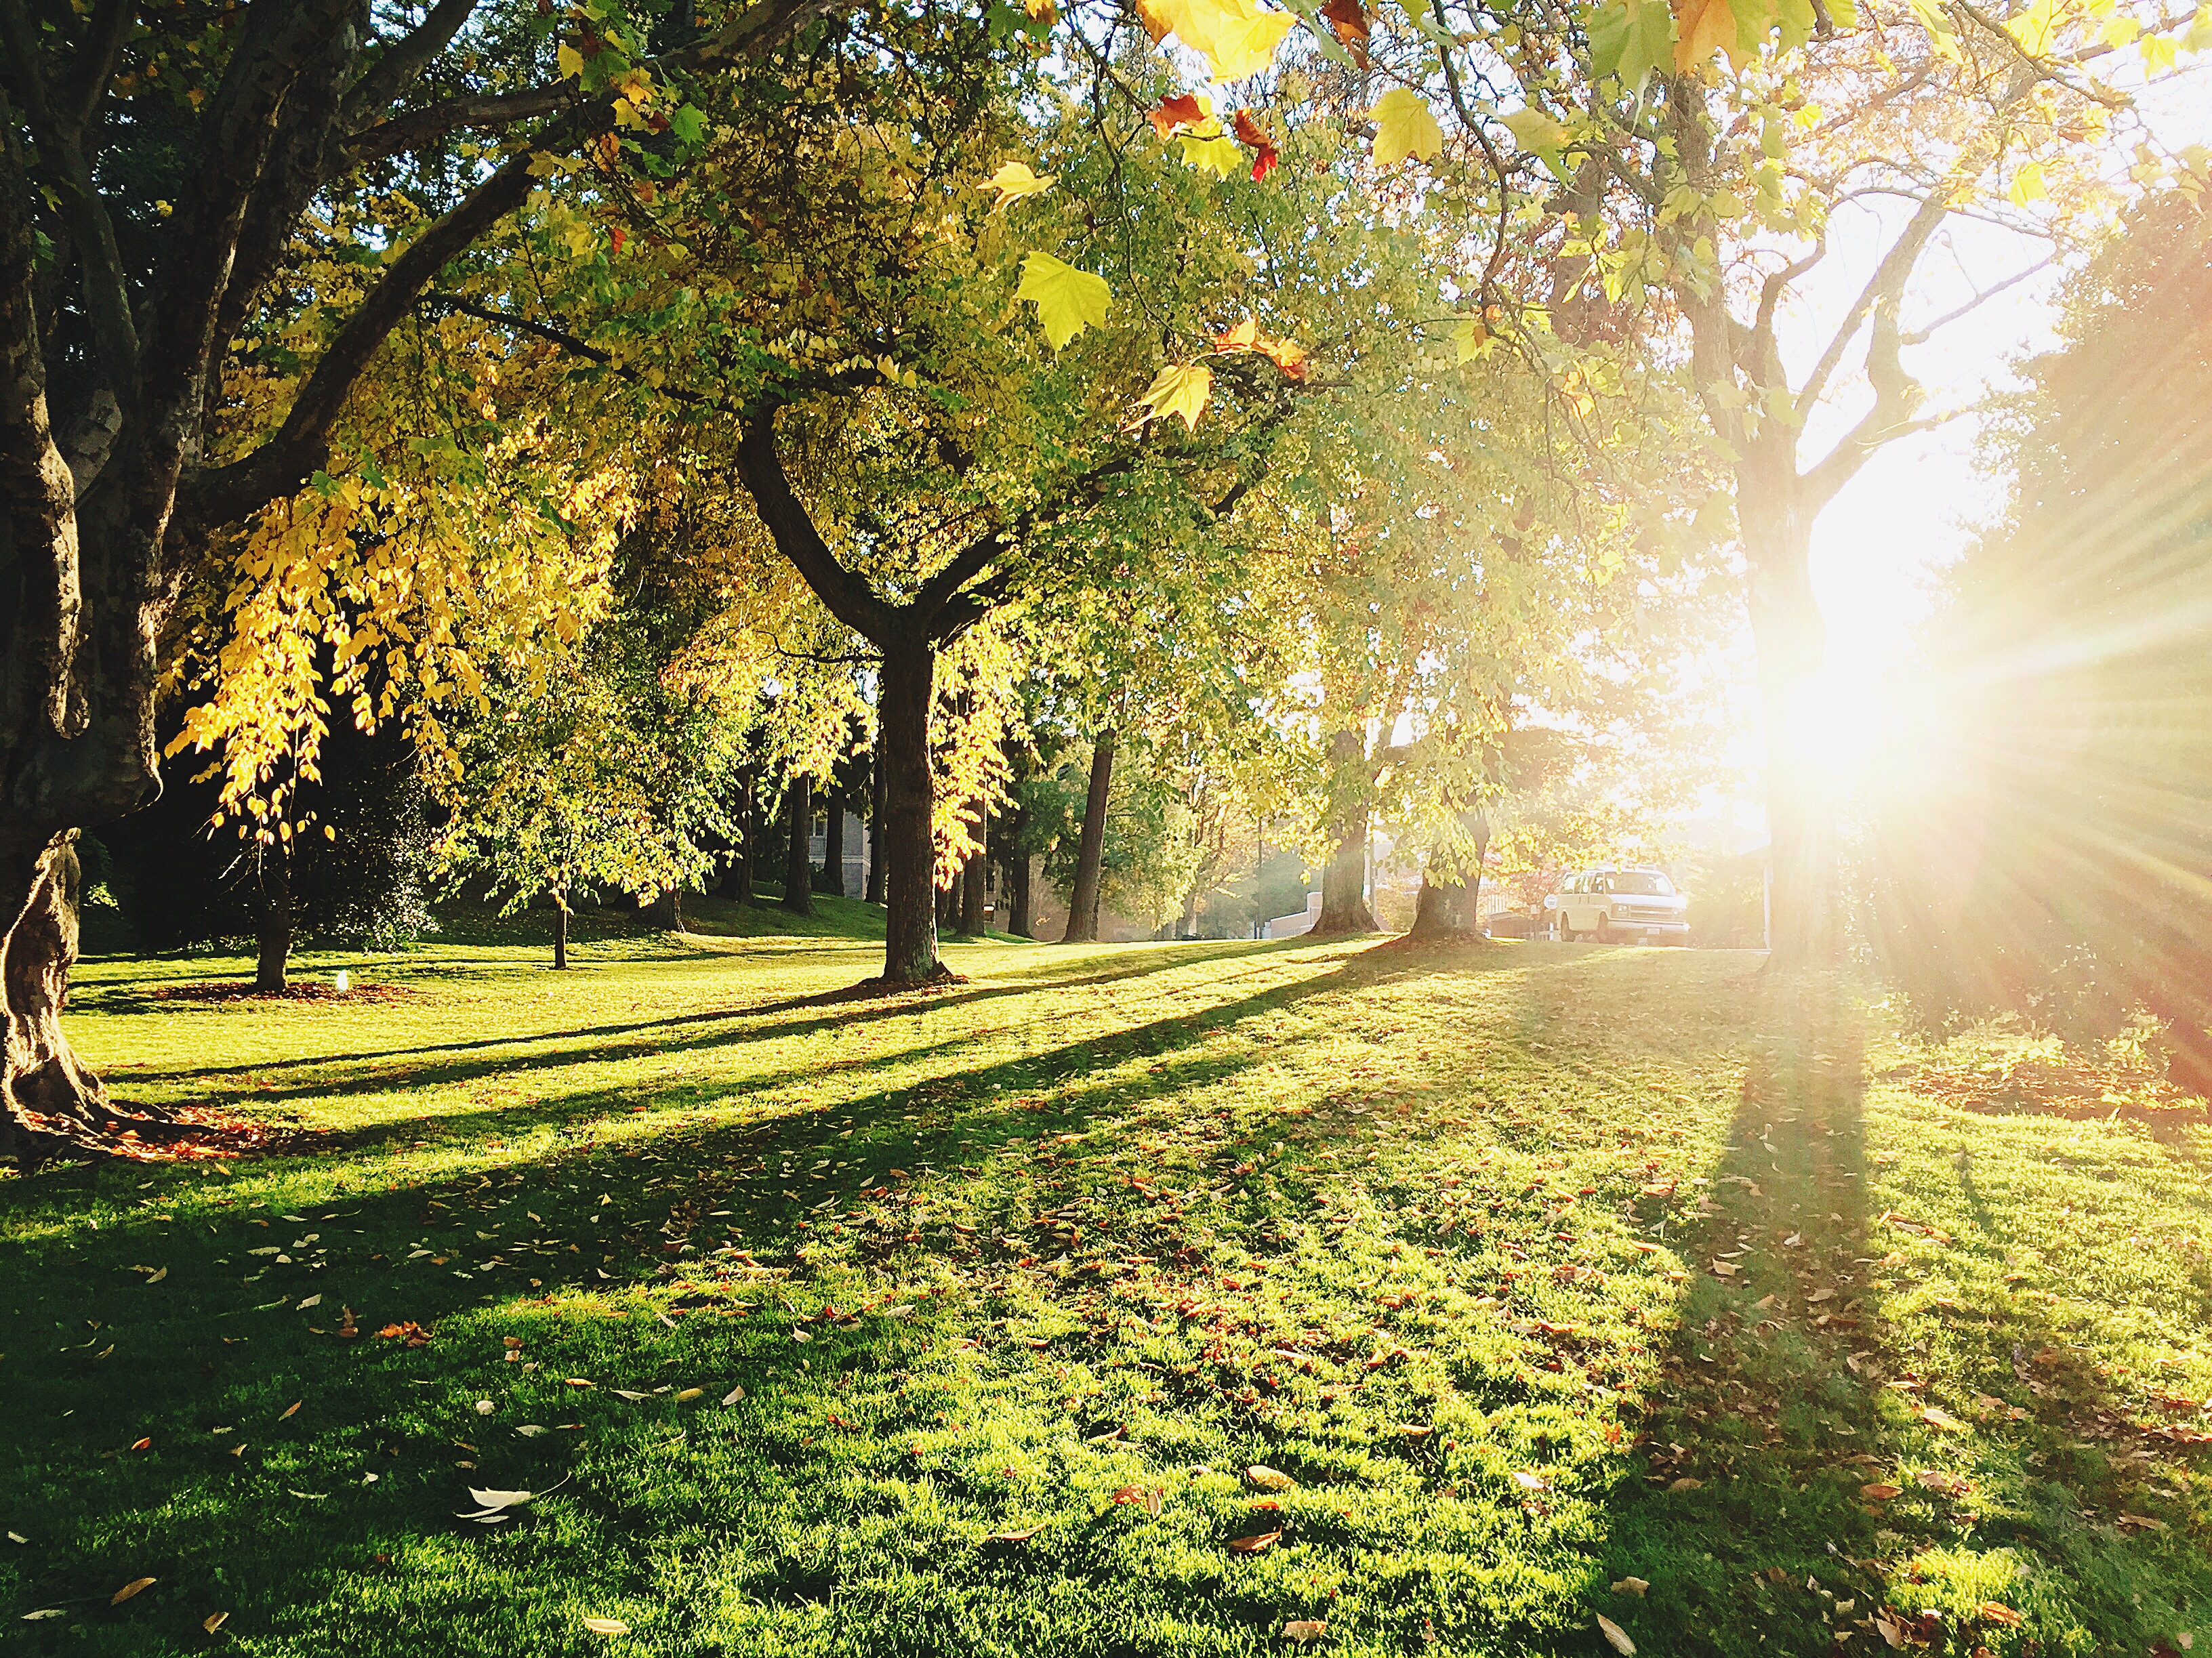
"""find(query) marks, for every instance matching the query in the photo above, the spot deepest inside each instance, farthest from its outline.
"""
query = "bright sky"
(1879, 548)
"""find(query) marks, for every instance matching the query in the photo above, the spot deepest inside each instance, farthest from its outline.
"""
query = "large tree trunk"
(738, 878)
(1083, 904)
(1787, 629)
(43, 1073)
(798, 866)
(875, 888)
(1019, 921)
(273, 920)
(975, 882)
(1344, 906)
(1446, 908)
(909, 852)
(833, 847)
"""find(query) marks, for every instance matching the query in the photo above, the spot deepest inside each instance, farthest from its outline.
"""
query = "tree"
(2042, 849)
(1721, 189)
(120, 315)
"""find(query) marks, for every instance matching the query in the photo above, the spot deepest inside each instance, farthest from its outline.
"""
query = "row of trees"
(608, 392)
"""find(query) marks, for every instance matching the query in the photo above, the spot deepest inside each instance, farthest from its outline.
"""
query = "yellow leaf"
(129, 1589)
(214, 1621)
(569, 61)
(2027, 185)
(1238, 38)
(1180, 388)
(1217, 155)
(1467, 336)
(1703, 27)
(1534, 130)
(1015, 180)
(1403, 127)
(606, 1626)
(1068, 301)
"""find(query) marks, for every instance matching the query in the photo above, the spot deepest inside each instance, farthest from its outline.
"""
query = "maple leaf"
(1630, 39)
(1403, 127)
(1702, 28)
(1180, 388)
(1238, 38)
(1169, 115)
(1534, 130)
(1068, 301)
(1349, 24)
(1250, 133)
(1215, 155)
(1243, 337)
(1014, 180)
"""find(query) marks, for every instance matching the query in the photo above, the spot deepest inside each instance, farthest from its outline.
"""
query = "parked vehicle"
(1512, 923)
(1620, 906)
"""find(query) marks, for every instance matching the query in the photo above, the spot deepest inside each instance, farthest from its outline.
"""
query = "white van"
(1620, 906)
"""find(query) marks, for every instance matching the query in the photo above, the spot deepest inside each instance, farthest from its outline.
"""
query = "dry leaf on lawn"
(1615, 1637)
(606, 1626)
(1305, 1628)
(130, 1589)
(1636, 1586)
(1265, 1539)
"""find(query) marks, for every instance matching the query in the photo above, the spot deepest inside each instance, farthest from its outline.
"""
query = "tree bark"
(875, 888)
(273, 929)
(1447, 907)
(1790, 638)
(560, 933)
(1019, 921)
(736, 884)
(1344, 906)
(975, 881)
(909, 850)
(797, 867)
(833, 847)
(1091, 852)
(42, 1074)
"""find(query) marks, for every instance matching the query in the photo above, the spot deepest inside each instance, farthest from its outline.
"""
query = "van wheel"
(1604, 934)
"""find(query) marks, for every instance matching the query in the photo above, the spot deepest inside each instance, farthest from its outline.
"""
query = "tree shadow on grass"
(242, 1345)
(1799, 1455)
(498, 1056)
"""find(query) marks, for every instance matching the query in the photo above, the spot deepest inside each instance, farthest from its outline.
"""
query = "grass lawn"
(1195, 1299)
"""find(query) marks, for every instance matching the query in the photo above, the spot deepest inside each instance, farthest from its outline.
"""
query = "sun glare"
(1837, 719)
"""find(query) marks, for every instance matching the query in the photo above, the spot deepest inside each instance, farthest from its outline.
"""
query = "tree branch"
(289, 458)
(845, 594)
(1883, 288)
(417, 127)
(403, 61)
(62, 158)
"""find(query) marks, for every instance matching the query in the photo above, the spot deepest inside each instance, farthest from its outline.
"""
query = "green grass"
(1019, 1279)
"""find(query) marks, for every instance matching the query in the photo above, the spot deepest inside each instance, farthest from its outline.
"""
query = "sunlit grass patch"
(1127, 1299)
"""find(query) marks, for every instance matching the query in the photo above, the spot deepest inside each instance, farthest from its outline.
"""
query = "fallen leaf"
(129, 1589)
(1936, 1416)
(1531, 1482)
(143, 1444)
(631, 1394)
(1933, 1479)
(1687, 1483)
(1880, 1493)
(293, 1410)
(159, 1276)
(47, 1612)
(689, 1393)
(1616, 1637)
(1264, 1479)
(733, 1396)
(306, 1302)
(1995, 1612)
(214, 1621)
(484, 1407)
(1265, 1539)
(1635, 1586)
(18, 1537)
(1015, 1536)
(529, 1429)
(606, 1626)
(1305, 1628)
